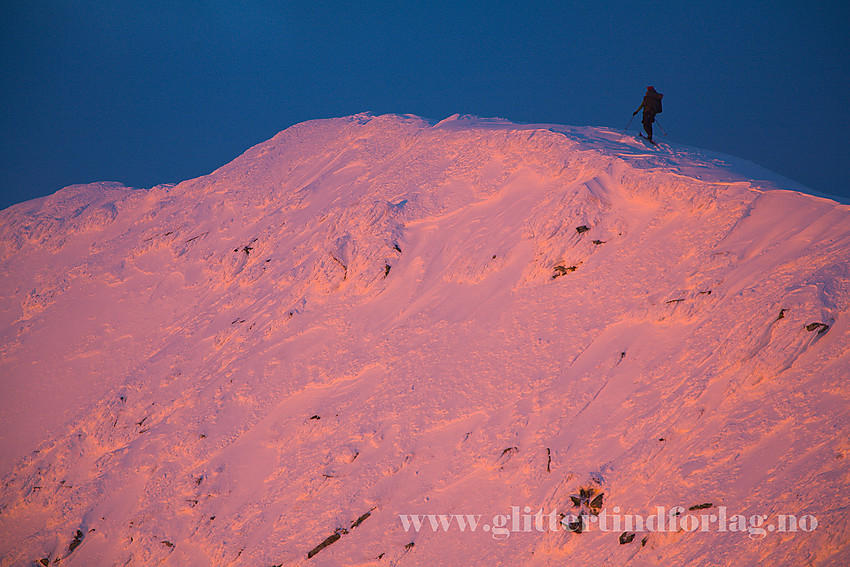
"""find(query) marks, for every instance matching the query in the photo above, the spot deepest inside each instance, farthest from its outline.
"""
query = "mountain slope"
(375, 314)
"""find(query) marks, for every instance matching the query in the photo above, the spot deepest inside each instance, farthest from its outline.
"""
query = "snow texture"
(372, 316)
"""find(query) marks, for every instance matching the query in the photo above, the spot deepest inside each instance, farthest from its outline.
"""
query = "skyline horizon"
(145, 95)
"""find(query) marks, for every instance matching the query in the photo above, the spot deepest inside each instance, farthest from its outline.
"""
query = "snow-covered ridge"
(381, 314)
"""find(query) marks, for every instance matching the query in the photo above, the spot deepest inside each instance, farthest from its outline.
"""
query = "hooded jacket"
(651, 102)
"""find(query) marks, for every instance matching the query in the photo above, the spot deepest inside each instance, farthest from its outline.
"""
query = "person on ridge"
(651, 106)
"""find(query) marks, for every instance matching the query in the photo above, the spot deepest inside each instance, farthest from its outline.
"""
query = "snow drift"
(373, 318)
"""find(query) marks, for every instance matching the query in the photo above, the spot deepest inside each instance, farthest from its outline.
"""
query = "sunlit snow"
(377, 316)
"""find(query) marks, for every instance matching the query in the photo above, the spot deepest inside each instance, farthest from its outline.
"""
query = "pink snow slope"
(373, 323)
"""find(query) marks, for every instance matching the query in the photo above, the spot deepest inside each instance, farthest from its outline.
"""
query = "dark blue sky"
(155, 92)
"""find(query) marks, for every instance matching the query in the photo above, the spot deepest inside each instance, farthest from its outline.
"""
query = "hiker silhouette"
(651, 106)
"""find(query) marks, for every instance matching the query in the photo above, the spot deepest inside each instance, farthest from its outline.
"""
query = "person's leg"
(647, 125)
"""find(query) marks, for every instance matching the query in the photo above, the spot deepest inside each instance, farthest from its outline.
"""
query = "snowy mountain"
(373, 323)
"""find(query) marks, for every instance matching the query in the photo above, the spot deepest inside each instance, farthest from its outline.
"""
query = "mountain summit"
(375, 340)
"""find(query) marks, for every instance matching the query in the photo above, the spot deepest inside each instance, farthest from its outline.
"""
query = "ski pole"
(660, 126)
(630, 122)
(623, 133)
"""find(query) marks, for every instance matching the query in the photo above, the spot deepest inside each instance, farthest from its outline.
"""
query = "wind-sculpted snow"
(375, 316)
